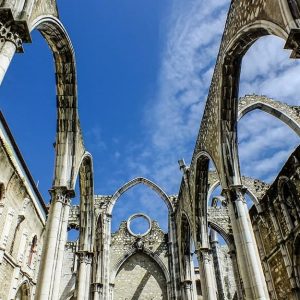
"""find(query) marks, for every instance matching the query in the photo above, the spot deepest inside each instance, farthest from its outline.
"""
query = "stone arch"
(228, 238)
(140, 180)
(280, 110)
(152, 256)
(231, 66)
(23, 291)
(255, 188)
(200, 196)
(185, 247)
(131, 252)
(69, 146)
(86, 207)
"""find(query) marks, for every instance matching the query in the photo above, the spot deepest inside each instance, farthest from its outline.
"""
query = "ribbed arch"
(69, 145)
(134, 182)
(272, 109)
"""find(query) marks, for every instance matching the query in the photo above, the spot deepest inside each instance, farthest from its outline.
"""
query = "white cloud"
(173, 116)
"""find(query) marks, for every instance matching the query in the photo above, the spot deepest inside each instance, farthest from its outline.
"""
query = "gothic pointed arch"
(69, 144)
(185, 248)
(154, 270)
(131, 252)
(230, 75)
(140, 180)
(287, 114)
(200, 196)
(23, 291)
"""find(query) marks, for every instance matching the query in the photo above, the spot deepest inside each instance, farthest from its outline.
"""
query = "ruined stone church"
(261, 257)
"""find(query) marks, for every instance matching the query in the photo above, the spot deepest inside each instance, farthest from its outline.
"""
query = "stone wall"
(22, 220)
(140, 278)
(277, 231)
(136, 273)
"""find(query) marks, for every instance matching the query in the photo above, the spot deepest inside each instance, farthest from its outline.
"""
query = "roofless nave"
(262, 257)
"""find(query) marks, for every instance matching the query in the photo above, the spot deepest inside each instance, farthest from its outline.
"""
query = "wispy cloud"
(265, 142)
(172, 118)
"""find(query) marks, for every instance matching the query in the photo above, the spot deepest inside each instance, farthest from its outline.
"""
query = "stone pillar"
(217, 265)
(187, 290)
(54, 245)
(84, 275)
(237, 277)
(10, 42)
(208, 279)
(107, 288)
(247, 254)
(174, 263)
(97, 290)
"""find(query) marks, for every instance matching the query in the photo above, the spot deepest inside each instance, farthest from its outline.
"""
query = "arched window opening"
(268, 71)
(140, 198)
(32, 251)
(23, 292)
(2, 191)
(261, 151)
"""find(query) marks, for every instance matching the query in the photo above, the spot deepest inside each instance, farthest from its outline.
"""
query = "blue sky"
(144, 68)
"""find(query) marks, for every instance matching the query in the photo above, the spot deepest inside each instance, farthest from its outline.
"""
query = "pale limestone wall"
(140, 278)
(122, 242)
(226, 272)
(22, 217)
(68, 278)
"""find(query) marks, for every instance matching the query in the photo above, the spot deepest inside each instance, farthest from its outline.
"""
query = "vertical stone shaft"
(84, 275)
(209, 286)
(54, 242)
(247, 253)
(6, 54)
(235, 268)
(61, 248)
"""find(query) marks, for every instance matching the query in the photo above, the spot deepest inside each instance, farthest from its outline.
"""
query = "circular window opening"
(139, 224)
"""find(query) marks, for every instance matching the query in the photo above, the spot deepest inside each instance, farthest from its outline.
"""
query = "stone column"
(84, 275)
(247, 254)
(174, 263)
(217, 265)
(54, 245)
(187, 290)
(237, 277)
(107, 288)
(97, 290)
(10, 42)
(208, 279)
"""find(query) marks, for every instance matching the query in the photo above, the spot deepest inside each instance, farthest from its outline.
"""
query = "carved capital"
(61, 194)
(205, 254)
(85, 257)
(97, 287)
(187, 284)
(15, 31)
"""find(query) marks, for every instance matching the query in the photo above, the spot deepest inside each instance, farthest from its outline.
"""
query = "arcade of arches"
(214, 248)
